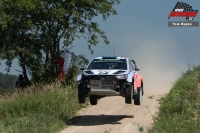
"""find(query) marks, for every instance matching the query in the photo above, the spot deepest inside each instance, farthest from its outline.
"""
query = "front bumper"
(104, 85)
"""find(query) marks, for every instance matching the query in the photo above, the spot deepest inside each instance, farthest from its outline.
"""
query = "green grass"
(179, 110)
(46, 109)
(6, 91)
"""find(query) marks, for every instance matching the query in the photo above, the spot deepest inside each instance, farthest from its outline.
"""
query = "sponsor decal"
(95, 85)
(103, 72)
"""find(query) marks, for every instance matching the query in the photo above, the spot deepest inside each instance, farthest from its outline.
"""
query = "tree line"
(31, 32)
(7, 81)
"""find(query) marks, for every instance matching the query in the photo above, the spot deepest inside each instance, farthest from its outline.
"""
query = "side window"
(131, 66)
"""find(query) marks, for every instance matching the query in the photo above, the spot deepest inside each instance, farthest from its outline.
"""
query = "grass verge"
(179, 110)
(6, 91)
(40, 109)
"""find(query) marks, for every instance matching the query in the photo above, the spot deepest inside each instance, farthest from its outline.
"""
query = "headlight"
(85, 73)
(123, 76)
(88, 72)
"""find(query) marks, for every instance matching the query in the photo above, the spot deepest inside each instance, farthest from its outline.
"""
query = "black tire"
(138, 97)
(142, 91)
(93, 100)
(129, 94)
(81, 94)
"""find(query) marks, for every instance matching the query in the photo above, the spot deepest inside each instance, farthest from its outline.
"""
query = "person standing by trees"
(20, 84)
(61, 62)
(61, 74)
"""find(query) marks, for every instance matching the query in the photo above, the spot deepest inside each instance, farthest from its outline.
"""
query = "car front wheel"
(93, 100)
(129, 94)
(138, 97)
(81, 94)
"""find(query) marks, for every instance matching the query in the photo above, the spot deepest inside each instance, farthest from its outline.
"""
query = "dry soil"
(112, 115)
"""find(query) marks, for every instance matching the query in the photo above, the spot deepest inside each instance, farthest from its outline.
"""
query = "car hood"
(107, 71)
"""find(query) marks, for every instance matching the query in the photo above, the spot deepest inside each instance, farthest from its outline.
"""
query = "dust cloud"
(159, 64)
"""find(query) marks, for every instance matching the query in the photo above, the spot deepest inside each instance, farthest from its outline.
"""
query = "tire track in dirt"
(112, 115)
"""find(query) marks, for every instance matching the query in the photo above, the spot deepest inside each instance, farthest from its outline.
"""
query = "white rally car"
(110, 76)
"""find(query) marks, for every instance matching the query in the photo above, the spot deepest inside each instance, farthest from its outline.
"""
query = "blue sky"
(140, 31)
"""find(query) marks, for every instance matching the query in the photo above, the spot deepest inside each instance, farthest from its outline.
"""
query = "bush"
(180, 110)
(41, 108)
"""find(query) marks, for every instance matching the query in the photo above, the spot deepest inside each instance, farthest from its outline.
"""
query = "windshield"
(108, 64)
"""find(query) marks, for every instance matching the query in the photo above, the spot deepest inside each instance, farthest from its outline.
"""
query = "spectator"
(20, 84)
(61, 75)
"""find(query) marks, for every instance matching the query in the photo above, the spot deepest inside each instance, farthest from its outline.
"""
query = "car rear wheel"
(93, 100)
(81, 94)
(129, 94)
(138, 97)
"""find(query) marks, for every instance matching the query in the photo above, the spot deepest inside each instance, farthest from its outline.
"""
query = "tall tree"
(31, 31)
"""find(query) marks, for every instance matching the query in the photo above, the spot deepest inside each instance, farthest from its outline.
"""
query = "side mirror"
(137, 69)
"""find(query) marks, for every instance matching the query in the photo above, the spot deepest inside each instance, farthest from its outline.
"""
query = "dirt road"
(112, 115)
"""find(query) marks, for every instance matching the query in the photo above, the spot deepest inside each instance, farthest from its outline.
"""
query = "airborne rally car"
(110, 76)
